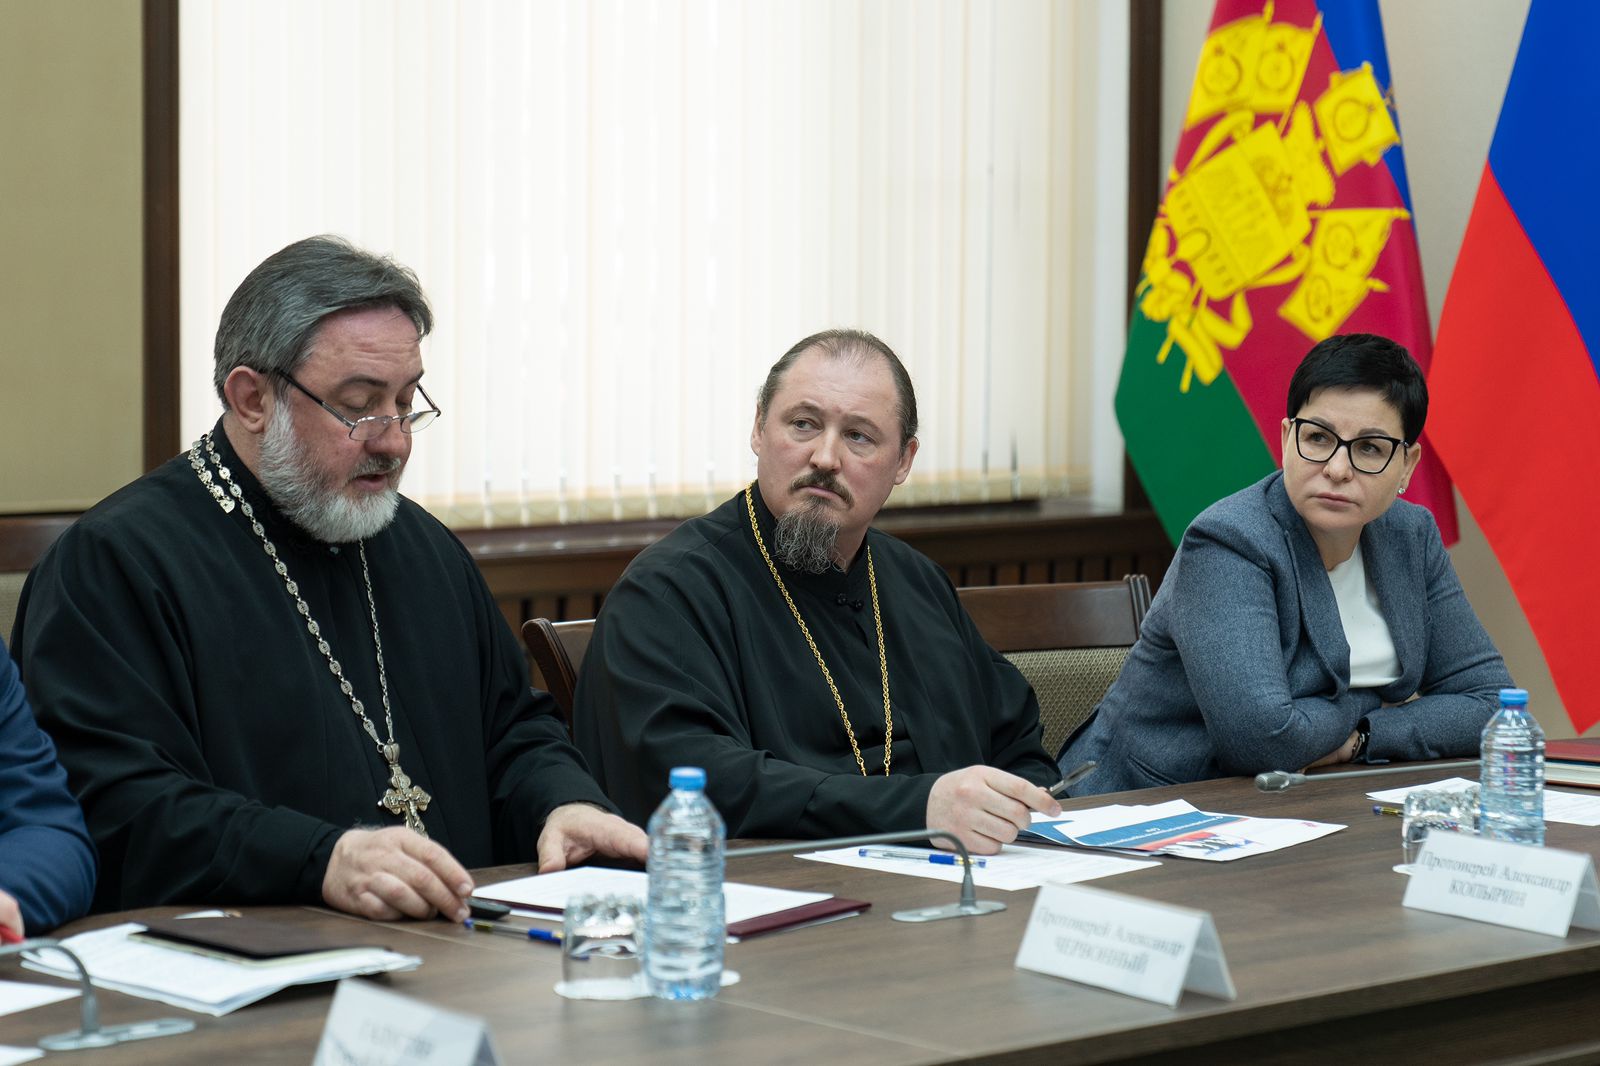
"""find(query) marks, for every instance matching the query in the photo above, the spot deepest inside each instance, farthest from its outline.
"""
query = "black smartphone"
(487, 909)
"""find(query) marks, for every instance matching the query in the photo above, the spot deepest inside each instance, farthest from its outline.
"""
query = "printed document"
(1175, 828)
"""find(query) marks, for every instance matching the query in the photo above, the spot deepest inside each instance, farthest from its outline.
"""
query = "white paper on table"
(1571, 808)
(1397, 796)
(21, 995)
(1110, 818)
(551, 892)
(1568, 808)
(201, 983)
(1013, 869)
(13, 1056)
(1096, 819)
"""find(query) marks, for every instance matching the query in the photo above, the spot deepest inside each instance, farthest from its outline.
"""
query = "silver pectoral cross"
(405, 798)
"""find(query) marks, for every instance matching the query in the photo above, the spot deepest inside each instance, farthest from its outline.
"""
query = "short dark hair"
(858, 344)
(272, 318)
(1364, 361)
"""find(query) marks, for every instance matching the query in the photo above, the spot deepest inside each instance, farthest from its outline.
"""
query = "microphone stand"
(90, 1033)
(1283, 780)
(968, 905)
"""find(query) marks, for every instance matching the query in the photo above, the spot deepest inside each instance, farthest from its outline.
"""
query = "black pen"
(1059, 789)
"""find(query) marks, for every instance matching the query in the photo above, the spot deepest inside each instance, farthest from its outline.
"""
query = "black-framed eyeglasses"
(372, 427)
(1370, 454)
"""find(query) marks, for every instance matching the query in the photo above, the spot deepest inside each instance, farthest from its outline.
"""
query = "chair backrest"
(10, 595)
(557, 649)
(23, 539)
(1068, 640)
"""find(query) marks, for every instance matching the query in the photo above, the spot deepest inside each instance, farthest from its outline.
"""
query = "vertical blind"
(624, 211)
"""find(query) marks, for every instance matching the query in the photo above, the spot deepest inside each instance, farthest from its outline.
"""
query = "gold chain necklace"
(883, 658)
(402, 797)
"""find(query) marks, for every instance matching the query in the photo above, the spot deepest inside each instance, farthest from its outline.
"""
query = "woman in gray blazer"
(1310, 618)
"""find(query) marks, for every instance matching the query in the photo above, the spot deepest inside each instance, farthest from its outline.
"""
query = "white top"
(1373, 662)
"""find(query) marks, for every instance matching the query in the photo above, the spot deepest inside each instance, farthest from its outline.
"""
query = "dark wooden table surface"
(1329, 968)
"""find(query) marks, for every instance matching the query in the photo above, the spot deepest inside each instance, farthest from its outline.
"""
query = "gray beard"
(297, 489)
(805, 539)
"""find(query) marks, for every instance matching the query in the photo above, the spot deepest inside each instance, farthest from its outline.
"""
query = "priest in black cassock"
(823, 673)
(273, 679)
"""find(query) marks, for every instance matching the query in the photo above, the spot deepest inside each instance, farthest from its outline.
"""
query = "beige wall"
(70, 236)
(1450, 61)
(71, 251)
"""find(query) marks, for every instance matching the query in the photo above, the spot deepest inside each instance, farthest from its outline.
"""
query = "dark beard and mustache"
(302, 492)
(807, 534)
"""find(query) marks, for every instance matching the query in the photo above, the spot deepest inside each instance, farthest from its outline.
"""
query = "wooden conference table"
(1329, 968)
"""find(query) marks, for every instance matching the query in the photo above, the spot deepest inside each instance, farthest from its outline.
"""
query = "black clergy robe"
(696, 660)
(213, 752)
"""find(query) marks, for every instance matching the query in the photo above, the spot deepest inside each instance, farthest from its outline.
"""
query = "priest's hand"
(11, 914)
(391, 873)
(985, 807)
(575, 831)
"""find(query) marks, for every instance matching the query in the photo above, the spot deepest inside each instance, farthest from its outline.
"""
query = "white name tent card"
(1541, 890)
(371, 1026)
(1148, 950)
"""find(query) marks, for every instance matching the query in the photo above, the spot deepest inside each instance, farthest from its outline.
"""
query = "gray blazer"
(1242, 664)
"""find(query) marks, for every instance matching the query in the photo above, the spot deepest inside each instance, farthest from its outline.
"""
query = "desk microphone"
(90, 1033)
(967, 906)
(1283, 780)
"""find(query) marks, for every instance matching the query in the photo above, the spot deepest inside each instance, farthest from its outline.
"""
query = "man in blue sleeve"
(46, 860)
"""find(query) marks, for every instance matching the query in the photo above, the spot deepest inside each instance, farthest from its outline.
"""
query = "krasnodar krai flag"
(1514, 392)
(1287, 219)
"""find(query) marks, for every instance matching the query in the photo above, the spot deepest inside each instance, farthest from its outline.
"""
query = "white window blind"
(624, 211)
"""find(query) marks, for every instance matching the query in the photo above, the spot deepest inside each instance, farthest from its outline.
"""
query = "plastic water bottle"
(684, 928)
(1511, 796)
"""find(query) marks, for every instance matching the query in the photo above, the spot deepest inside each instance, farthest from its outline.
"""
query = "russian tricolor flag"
(1515, 410)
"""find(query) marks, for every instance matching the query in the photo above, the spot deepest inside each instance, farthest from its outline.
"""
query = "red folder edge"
(792, 917)
(805, 914)
(1584, 750)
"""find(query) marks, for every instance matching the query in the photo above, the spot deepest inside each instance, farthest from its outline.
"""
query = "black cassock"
(697, 660)
(201, 728)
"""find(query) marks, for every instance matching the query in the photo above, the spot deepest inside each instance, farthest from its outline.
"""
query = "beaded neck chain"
(827, 675)
(402, 797)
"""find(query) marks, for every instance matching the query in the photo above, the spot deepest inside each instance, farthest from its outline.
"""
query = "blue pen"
(938, 858)
(542, 935)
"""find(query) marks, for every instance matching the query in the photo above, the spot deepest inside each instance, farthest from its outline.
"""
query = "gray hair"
(857, 344)
(272, 317)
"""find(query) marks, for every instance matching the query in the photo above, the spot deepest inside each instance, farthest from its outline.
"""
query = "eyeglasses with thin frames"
(372, 427)
(1370, 454)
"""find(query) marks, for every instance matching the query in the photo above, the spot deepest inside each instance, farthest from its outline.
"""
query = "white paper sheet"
(1569, 808)
(551, 891)
(201, 983)
(21, 995)
(13, 1056)
(1014, 868)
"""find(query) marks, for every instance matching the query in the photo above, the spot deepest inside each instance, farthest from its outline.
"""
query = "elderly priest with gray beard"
(823, 672)
(270, 677)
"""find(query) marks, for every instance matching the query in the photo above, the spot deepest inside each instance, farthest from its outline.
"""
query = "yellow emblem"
(1247, 212)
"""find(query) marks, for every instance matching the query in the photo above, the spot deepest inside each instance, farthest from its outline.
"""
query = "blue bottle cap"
(687, 778)
(1514, 697)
